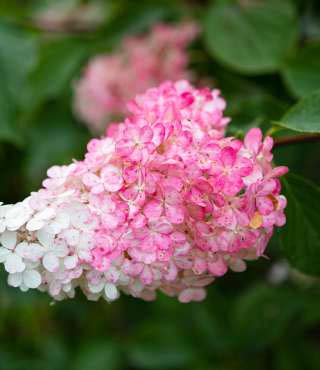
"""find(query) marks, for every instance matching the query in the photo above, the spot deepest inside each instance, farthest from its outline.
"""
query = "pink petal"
(146, 134)
(158, 134)
(153, 210)
(162, 226)
(253, 140)
(264, 205)
(175, 214)
(90, 180)
(218, 267)
(228, 156)
(112, 178)
(192, 294)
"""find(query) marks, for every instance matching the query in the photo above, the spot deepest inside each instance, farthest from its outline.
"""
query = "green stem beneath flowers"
(287, 140)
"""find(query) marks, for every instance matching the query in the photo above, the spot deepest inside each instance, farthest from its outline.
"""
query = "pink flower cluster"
(111, 80)
(164, 203)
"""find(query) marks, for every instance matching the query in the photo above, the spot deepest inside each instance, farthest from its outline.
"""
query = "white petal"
(54, 288)
(96, 288)
(36, 251)
(22, 249)
(70, 262)
(31, 279)
(35, 224)
(4, 209)
(15, 280)
(79, 219)
(32, 251)
(237, 265)
(85, 241)
(112, 275)
(111, 292)
(23, 288)
(85, 255)
(46, 236)
(9, 239)
(4, 253)
(63, 219)
(17, 216)
(46, 214)
(14, 264)
(67, 287)
(60, 248)
(50, 262)
(72, 236)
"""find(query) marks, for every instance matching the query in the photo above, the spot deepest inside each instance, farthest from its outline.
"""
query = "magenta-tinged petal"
(162, 226)
(158, 134)
(131, 173)
(244, 167)
(192, 294)
(218, 267)
(233, 184)
(253, 140)
(90, 180)
(153, 210)
(264, 205)
(146, 275)
(175, 214)
(178, 237)
(124, 147)
(278, 171)
(200, 266)
(146, 134)
(228, 156)
(112, 178)
(139, 221)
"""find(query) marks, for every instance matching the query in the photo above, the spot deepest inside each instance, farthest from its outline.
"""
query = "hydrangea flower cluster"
(111, 80)
(164, 203)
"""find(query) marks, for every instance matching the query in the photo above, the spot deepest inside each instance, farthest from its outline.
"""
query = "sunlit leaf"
(251, 36)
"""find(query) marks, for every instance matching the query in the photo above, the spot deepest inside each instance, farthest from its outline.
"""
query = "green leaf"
(251, 36)
(151, 356)
(54, 139)
(59, 61)
(8, 131)
(100, 355)
(264, 313)
(301, 71)
(300, 238)
(17, 56)
(18, 53)
(304, 116)
(160, 346)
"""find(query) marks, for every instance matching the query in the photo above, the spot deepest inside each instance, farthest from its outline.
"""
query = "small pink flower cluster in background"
(111, 80)
(164, 203)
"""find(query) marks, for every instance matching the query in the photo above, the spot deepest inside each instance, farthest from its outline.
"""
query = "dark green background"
(246, 323)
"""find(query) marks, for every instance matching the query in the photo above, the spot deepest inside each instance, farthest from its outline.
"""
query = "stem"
(287, 140)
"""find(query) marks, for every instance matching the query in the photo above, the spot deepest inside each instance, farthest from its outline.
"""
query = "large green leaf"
(301, 236)
(17, 56)
(8, 130)
(301, 71)
(160, 346)
(18, 53)
(59, 61)
(99, 355)
(261, 305)
(304, 116)
(55, 138)
(251, 36)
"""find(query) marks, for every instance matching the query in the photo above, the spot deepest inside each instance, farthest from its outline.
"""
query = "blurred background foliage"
(264, 55)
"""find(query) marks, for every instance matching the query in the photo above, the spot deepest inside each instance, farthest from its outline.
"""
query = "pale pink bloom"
(141, 62)
(165, 203)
